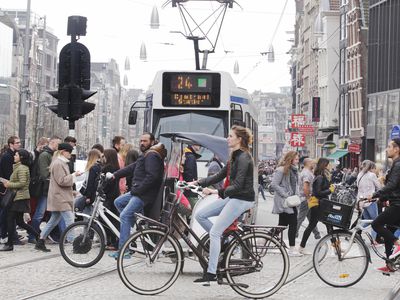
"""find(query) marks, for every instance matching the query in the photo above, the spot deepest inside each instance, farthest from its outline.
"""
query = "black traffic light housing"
(73, 76)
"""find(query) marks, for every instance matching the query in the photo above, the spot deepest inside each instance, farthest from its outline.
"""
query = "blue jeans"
(56, 216)
(81, 205)
(38, 215)
(127, 206)
(227, 210)
(370, 213)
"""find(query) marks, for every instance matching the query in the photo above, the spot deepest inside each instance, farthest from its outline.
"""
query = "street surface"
(29, 274)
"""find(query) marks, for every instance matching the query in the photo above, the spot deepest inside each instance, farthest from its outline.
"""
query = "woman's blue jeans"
(227, 210)
(370, 213)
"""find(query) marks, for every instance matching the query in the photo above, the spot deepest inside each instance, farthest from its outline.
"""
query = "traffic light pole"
(74, 65)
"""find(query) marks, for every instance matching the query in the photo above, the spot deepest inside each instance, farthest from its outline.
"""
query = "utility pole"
(25, 80)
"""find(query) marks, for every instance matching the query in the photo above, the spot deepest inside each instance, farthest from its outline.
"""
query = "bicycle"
(82, 244)
(248, 264)
(341, 257)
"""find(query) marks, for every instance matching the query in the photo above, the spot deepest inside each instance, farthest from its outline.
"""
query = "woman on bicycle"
(391, 215)
(321, 189)
(285, 183)
(238, 196)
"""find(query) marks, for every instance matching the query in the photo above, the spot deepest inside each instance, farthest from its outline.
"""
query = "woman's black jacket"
(320, 188)
(241, 177)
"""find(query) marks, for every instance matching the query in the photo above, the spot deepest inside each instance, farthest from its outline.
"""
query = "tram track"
(68, 284)
(32, 260)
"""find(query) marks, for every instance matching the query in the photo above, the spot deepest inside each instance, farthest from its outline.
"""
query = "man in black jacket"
(6, 168)
(147, 178)
(391, 216)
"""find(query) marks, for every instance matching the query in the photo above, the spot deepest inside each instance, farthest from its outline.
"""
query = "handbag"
(291, 201)
(7, 199)
(313, 201)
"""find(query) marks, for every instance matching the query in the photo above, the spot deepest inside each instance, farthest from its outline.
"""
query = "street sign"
(297, 139)
(298, 120)
(395, 134)
(354, 148)
(306, 129)
(316, 103)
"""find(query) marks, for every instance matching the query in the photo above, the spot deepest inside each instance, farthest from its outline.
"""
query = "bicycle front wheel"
(258, 267)
(338, 262)
(147, 265)
(82, 246)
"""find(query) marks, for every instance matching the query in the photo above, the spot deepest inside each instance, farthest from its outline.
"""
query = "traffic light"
(73, 76)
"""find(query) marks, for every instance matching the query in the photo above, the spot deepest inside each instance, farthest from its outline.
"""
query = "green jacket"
(19, 181)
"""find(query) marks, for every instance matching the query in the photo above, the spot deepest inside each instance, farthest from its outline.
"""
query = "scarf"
(293, 173)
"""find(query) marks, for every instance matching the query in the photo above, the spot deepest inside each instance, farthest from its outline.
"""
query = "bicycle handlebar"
(183, 185)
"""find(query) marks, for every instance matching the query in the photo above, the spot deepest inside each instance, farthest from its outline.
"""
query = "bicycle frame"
(100, 212)
(175, 222)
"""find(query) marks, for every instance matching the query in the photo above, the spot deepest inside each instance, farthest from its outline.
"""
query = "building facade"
(42, 75)
(353, 80)
(383, 76)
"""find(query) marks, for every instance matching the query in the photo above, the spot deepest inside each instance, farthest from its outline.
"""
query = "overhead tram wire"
(272, 39)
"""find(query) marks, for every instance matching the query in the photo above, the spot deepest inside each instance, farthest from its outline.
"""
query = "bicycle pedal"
(242, 285)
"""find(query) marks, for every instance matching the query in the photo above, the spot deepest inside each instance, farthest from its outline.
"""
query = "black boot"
(7, 248)
(41, 246)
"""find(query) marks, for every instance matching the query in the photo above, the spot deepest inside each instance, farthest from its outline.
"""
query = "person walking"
(305, 185)
(44, 161)
(6, 169)
(111, 190)
(285, 183)
(261, 183)
(238, 196)
(368, 183)
(118, 143)
(61, 198)
(321, 189)
(19, 182)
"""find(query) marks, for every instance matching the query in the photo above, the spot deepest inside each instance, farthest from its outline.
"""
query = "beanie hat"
(65, 147)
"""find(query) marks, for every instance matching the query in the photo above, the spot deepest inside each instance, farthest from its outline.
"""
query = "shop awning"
(338, 154)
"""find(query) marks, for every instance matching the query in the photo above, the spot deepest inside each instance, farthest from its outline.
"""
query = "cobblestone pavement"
(28, 274)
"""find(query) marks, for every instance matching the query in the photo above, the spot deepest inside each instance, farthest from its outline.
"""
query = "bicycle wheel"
(141, 274)
(260, 277)
(80, 252)
(345, 271)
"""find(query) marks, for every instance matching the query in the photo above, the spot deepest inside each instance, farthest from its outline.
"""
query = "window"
(48, 61)
(371, 111)
(48, 80)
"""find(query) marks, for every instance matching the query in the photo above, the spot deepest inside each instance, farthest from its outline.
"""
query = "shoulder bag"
(292, 201)
(7, 198)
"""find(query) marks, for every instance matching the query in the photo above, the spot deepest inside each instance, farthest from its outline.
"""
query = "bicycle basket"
(335, 213)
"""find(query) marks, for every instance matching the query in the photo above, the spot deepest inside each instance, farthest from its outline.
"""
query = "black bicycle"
(254, 261)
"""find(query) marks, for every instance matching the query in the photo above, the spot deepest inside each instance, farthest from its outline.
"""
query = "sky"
(116, 29)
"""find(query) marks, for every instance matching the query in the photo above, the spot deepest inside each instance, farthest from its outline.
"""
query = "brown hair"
(245, 135)
(287, 160)
(111, 157)
(93, 156)
(124, 150)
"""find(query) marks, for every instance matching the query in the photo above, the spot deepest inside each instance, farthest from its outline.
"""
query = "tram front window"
(191, 122)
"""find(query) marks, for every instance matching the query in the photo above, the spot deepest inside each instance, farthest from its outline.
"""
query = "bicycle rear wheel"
(81, 246)
(344, 271)
(141, 274)
(260, 277)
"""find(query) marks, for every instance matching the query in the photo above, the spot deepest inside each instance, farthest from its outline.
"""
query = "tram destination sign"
(188, 89)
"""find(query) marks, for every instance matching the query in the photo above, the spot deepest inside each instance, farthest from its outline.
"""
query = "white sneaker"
(3, 241)
(304, 251)
(294, 253)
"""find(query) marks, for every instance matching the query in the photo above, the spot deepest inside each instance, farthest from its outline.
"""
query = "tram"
(196, 101)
